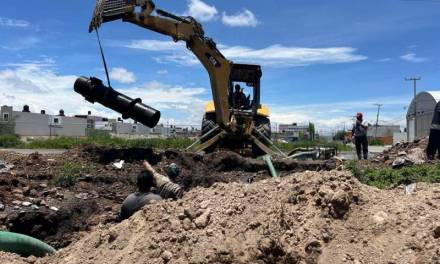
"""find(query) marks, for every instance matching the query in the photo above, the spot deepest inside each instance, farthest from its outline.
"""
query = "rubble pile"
(404, 154)
(308, 217)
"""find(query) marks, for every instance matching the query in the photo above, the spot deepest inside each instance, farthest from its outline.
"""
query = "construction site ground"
(233, 211)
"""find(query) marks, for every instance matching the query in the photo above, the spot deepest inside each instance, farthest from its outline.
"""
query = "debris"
(26, 204)
(410, 189)
(53, 208)
(119, 164)
(404, 154)
(2, 207)
(83, 196)
(167, 256)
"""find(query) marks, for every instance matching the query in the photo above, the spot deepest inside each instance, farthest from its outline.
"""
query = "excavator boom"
(231, 126)
(179, 29)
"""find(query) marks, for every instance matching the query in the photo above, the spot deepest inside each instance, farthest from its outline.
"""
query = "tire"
(262, 124)
(208, 123)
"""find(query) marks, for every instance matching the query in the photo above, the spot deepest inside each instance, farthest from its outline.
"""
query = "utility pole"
(377, 117)
(414, 80)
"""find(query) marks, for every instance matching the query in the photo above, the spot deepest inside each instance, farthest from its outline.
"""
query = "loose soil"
(308, 217)
(304, 217)
(60, 216)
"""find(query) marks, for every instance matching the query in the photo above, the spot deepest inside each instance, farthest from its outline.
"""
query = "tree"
(312, 131)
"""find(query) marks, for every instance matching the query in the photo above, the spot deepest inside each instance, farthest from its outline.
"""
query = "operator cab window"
(242, 95)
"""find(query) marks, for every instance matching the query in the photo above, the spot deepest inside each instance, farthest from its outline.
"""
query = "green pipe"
(269, 163)
(24, 245)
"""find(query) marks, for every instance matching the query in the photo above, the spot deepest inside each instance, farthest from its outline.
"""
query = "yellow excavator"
(243, 127)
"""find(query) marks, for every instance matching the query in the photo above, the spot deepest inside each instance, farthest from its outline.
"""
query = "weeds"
(386, 177)
(67, 176)
(100, 138)
(10, 141)
(376, 142)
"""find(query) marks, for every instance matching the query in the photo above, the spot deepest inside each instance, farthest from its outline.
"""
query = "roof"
(426, 103)
(435, 95)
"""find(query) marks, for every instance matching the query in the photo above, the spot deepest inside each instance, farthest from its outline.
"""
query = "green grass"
(310, 144)
(10, 141)
(375, 142)
(95, 137)
(386, 177)
(67, 176)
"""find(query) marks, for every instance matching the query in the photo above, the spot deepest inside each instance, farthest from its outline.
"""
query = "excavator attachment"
(109, 10)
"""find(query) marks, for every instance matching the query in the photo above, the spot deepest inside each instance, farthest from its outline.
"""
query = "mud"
(60, 216)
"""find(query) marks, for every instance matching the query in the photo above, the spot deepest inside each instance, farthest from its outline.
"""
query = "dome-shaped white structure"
(425, 103)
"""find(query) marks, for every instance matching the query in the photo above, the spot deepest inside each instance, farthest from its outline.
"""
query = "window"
(56, 121)
(6, 117)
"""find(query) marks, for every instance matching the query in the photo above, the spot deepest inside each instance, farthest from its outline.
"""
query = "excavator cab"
(247, 111)
(245, 75)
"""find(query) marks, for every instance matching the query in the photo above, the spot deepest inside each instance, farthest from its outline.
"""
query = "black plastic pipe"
(94, 90)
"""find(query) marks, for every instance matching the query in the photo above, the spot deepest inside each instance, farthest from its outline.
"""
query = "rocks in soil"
(404, 154)
(437, 231)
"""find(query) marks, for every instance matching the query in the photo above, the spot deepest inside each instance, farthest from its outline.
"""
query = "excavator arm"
(141, 13)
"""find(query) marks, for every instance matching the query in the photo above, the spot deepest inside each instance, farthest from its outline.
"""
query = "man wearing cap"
(360, 137)
(146, 181)
(434, 135)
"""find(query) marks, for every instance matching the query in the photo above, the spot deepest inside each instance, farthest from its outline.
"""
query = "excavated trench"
(60, 214)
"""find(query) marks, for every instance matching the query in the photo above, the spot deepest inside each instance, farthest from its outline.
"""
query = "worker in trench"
(360, 137)
(146, 181)
(434, 135)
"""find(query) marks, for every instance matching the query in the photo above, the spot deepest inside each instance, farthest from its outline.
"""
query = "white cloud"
(384, 60)
(282, 56)
(38, 85)
(201, 11)
(9, 22)
(275, 55)
(162, 72)
(155, 45)
(242, 19)
(412, 57)
(122, 75)
(21, 43)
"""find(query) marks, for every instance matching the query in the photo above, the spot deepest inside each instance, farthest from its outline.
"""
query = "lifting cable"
(103, 57)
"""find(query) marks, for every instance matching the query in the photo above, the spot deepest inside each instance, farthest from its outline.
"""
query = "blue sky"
(322, 61)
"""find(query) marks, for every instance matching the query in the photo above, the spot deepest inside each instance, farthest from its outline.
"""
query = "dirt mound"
(404, 154)
(309, 217)
(8, 258)
(27, 193)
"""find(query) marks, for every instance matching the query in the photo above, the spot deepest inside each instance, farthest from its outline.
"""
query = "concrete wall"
(33, 124)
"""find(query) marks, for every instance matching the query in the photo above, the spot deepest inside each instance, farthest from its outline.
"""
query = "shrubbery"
(386, 177)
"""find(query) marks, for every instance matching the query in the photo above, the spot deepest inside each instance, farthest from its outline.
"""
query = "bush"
(386, 177)
(53, 143)
(67, 176)
(10, 141)
(376, 142)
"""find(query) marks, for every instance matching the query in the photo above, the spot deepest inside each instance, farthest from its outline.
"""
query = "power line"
(377, 117)
(414, 80)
